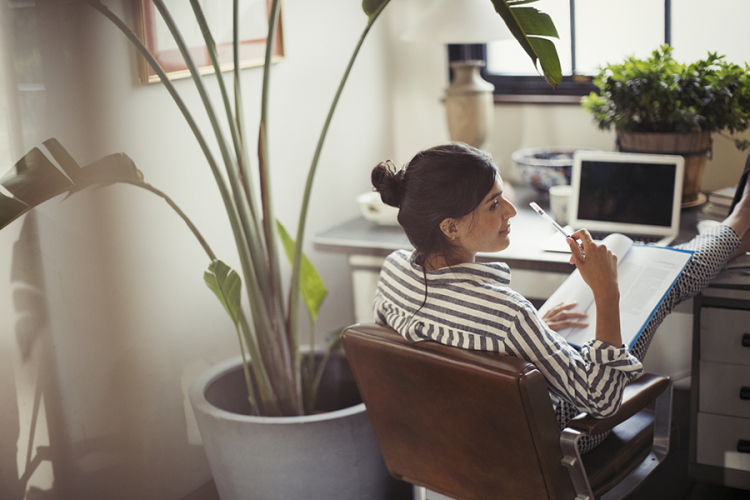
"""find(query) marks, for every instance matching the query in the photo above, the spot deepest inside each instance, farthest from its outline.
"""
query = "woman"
(451, 206)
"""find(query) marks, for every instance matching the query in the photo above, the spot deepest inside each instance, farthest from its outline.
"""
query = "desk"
(720, 401)
(535, 273)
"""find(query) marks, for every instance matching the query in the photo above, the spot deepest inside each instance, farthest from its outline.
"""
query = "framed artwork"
(153, 32)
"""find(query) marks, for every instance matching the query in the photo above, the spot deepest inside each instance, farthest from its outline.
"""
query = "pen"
(541, 212)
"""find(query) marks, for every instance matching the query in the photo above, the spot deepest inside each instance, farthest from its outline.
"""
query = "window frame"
(534, 88)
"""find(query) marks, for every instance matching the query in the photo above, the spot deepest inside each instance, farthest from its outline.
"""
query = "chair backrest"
(468, 424)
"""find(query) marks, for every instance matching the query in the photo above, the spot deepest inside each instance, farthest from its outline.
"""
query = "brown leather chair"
(477, 425)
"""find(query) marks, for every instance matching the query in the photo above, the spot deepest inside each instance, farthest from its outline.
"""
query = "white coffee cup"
(558, 203)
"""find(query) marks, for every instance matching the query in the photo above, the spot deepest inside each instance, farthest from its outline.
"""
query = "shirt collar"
(477, 271)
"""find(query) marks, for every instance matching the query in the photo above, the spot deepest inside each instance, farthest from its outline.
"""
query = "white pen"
(541, 212)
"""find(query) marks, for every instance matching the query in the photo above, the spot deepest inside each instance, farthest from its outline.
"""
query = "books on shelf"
(723, 196)
(715, 211)
(645, 274)
(719, 202)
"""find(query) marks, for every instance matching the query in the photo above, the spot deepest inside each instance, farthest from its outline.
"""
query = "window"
(596, 32)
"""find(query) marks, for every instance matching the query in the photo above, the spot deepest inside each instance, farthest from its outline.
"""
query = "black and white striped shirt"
(471, 306)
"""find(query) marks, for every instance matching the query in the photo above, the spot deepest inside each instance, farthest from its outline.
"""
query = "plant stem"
(248, 382)
(255, 280)
(258, 310)
(261, 375)
(183, 216)
(240, 150)
(293, 317)
(269, 220)
(238, 106)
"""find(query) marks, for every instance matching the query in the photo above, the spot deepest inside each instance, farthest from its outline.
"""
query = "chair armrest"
(636, 396)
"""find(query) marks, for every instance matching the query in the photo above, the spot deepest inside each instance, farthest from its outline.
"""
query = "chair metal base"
(659, 451)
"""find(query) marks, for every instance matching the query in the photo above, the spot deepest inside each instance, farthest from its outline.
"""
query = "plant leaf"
(61, 155)
(114, 168)
(372, 6)
(227, 286)
(34, 179)
(11, 209)
(547, 52)
(117, 167)
(312, 288)
(528, 24)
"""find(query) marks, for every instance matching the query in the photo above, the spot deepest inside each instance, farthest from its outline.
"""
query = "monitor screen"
(631, 193)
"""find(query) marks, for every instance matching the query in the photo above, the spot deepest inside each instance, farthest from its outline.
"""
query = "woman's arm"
(591, 379)
(598, 269)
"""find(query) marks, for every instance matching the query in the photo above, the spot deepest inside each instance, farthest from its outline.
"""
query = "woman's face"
(487, 228)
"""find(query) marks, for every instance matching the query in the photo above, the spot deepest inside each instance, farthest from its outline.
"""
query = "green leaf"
(113, 168)
(34, 179)
(527, 24)
(11, 209)
(227, 286)
(372, 6)
(548, 59)
(61, 155)
(312, 288)
(535, 22)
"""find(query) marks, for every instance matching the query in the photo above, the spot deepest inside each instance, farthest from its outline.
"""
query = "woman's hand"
(558, 318)
(598, 269)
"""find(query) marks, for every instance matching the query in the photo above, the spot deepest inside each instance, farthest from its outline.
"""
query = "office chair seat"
(476, 425)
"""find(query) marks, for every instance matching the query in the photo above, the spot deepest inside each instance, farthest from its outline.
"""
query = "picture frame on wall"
(253, 25)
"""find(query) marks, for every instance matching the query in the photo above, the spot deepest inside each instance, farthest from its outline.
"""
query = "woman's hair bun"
(388, 180)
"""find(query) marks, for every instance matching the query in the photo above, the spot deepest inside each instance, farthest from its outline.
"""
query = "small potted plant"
(658, 105)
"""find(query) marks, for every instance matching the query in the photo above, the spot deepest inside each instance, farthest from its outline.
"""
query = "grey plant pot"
(327, 456)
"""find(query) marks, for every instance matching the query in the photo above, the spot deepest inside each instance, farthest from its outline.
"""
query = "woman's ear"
(449, 227)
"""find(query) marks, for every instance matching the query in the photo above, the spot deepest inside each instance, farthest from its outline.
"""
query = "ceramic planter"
(693, 147)
(327, 456)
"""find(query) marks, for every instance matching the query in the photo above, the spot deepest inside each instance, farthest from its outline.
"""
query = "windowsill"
(537, 99)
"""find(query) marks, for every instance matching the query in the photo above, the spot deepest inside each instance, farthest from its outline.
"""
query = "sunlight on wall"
(25, 441)
(34, 465)
(5, 141)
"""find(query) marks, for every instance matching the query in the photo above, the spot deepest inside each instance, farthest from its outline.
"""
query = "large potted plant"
(658, 105)
(269, 394)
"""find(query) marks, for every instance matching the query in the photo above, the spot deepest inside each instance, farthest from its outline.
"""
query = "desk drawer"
(718, 440)
(721, 387)
(722, 332)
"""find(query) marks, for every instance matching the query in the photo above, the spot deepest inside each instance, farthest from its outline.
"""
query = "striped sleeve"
(592, 379)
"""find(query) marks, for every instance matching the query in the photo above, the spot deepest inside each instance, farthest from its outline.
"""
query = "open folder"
(645, 274)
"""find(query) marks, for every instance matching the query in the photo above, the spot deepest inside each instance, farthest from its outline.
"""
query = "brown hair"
(447, 181)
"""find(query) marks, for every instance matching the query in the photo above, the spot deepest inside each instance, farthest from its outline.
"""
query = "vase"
(694, 148)
(469, 104)
(326, 456)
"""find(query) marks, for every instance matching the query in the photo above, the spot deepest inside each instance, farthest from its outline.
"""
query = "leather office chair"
(477, 425)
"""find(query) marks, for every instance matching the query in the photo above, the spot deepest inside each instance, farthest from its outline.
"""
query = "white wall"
(104, 316)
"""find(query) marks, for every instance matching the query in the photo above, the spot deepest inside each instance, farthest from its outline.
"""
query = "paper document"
(645, 274)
